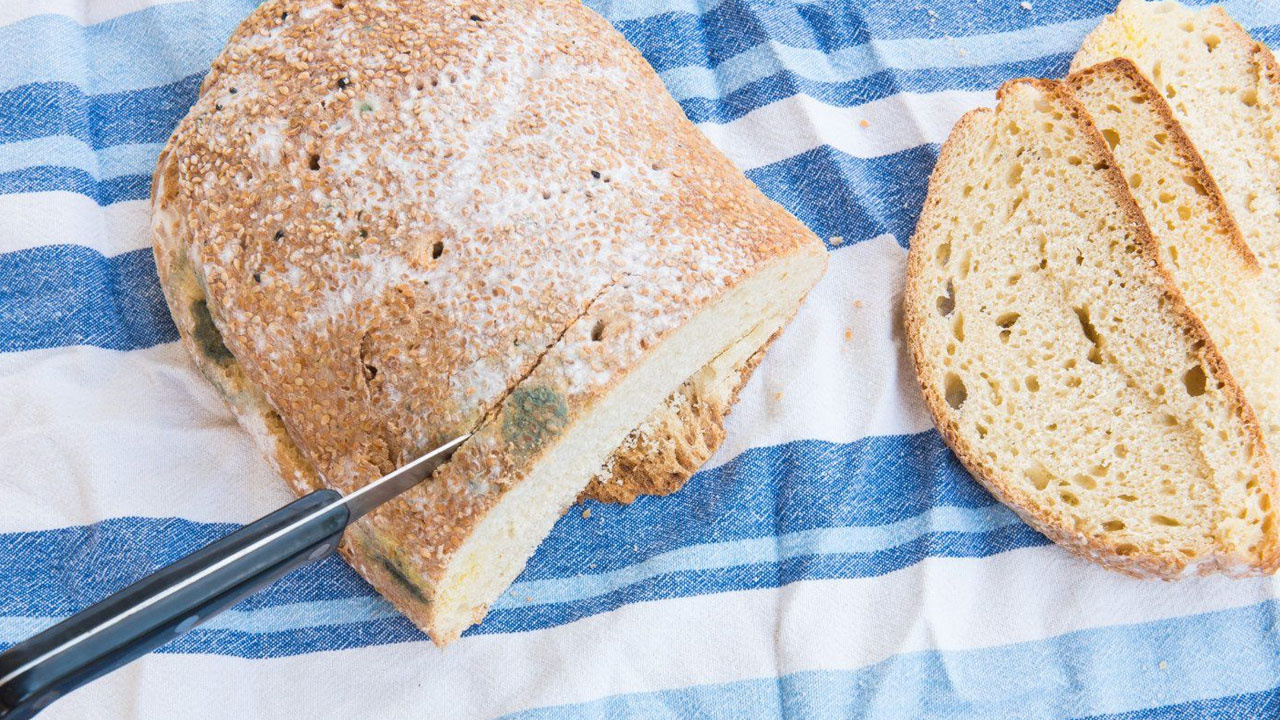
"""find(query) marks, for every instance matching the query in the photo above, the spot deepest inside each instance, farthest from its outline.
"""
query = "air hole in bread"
(339, 4)
(943, 254)
(1165, 520)
(1166, 197)
(1162, 138)
(1016, 203)
(1032, 383)
(1112, 137)
(1090, 333)
(1211, 42)
(947, 303)
(1085, 481)
(1170, 91)
(1038, 476)
(1113, 525)
(1069, 498)
(370, 372)
(957, 327)
(1194, 380)
(1194, 183)
(1006, 320)
(1184, 212)
(1101, 165)
(314, 162)
(1249, 97)
(437, 249)
(1074, 160)
(1264, 503)
(1126, 549)
(1135, 180)
(1015, 174)
(475, 19)
(597, 331)
(954, 391)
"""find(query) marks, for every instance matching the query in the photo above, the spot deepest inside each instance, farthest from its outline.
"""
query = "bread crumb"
(864, 122)
(586, 513)
(848, 334)
(778, 396)
(1164, 665)
(1025, 5)
(932, 14)
(837, 240)
(635, 548)
(857, 303)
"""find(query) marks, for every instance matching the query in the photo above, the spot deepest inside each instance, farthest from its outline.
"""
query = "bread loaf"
(383, 225)
(1061, 363)
(1199, 242)
(1222, 88)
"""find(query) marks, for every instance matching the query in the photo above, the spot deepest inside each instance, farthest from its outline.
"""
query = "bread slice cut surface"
(1199, 242)
(1061, 363)
(1222, 87)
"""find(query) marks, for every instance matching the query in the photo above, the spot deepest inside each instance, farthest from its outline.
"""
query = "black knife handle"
(136, 632)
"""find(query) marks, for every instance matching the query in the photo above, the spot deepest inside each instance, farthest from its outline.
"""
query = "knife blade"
(175, 599)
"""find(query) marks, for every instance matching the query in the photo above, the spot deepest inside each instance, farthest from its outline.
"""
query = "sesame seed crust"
(404, 221)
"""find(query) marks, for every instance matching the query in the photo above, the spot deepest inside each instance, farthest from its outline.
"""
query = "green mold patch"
(533, 416)
(401, 578)
(206, 335)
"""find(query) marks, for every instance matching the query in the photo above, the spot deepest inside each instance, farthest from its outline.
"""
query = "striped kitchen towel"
(833, 560)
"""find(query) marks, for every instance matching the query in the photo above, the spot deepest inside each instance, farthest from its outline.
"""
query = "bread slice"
(1061, 363)
(1222, 88)
(381, 226)
(1200, 245)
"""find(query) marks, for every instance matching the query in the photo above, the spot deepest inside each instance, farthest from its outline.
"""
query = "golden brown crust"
(409, 221)
(661, 456)
(1179, 143)
(1098, 548)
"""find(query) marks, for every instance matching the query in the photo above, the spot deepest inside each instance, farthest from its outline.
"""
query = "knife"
(170, 602)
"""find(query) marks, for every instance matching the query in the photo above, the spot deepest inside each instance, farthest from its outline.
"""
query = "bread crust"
(661, 455)
(361, 293)
(1097, 548)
